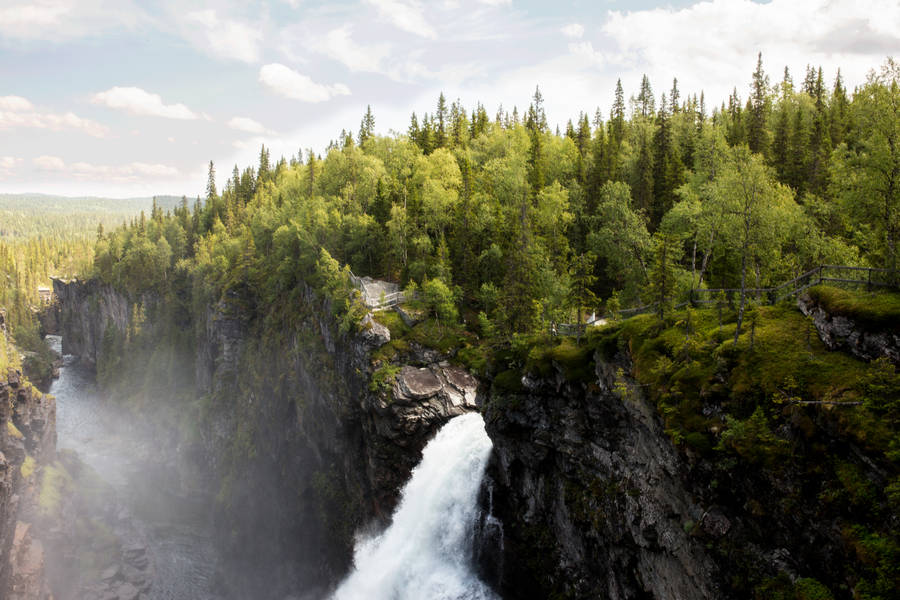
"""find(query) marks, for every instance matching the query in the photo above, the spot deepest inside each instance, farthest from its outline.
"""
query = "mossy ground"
(776, 405)
(874, 309)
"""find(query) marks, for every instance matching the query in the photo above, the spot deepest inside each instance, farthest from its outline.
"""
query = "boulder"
(374, 334)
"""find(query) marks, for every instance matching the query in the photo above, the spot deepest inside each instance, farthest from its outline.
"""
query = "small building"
(45, 294)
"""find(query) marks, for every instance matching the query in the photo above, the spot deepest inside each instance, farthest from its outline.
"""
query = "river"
(151, 514)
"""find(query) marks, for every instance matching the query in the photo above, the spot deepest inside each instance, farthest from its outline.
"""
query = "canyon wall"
(294, 447)
(27, 444)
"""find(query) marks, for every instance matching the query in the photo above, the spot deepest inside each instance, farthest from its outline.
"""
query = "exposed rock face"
(84, 309)
(590, 495)
(842, 333)
(27, 432)
(300, 452)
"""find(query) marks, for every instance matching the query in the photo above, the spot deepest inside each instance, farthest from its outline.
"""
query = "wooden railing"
(831, 274)
(875, 278)
(380, 302)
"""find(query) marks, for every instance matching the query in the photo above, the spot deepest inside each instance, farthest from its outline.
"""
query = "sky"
(123, 98)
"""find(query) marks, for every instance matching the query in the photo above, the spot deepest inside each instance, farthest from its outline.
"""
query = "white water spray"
(426, 553)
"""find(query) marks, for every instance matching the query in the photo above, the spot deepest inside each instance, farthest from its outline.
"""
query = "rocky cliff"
(591, 497)
(296, 447)
(842, 332)
(27, 443)
(85, 310)
(304, 434)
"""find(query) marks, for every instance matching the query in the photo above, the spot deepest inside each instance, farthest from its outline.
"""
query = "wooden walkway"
(378, 294)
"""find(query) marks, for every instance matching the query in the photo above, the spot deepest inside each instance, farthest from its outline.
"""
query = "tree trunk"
(706, 255)
(740, 319)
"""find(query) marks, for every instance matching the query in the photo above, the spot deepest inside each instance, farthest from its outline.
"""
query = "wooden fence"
(870, 278)
(381, 301)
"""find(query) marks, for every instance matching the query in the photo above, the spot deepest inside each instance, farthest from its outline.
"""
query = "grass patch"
(545, 355)
(393, 322)
(871, 309)
(383, 379)
(445, 338)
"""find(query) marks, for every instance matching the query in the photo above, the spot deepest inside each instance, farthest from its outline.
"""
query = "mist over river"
(148, 510)
(137, 526)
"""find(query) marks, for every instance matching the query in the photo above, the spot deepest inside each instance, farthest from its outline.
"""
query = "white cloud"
(406, 15)
(586, 51)
(7, 164)
(141, 102)
(573, 30)
(225, 38)
(127, 173)
(16, 111)
(497, 2)
(339, 45)
(34, 14)
(291, 84)
(57, 20)
(248, 125)
(15, 103)
(49, 163)
(710, 44)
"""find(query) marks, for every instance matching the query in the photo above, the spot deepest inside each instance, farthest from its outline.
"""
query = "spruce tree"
(366, 126)
(645, 101)
(413, 132)
(211, 192)
(757, 135)
(839, 112)
(617, 115)
(440, 129)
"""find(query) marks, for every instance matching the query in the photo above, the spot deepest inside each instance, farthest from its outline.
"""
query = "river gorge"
(239, 465)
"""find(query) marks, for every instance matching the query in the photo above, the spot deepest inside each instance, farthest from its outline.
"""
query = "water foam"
(426, 553)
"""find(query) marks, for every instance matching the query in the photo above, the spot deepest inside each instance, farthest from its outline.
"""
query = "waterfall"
(426, 553)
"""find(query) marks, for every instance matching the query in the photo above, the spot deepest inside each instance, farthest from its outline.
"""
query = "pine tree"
(263, 173)
(781, 135)
(809, 82)
(642, 176)
(413, 132)
(311, 172)
(366, 126)
(667, 250)
(674, 97)
(645, 101)
(440, 129)
(536, 115)
(211, 192)
(839, 112)
(735, 133)
(667, 168)
(797, 152)
(458, 124)
(757, 135)
(426, 135)
(617, 115)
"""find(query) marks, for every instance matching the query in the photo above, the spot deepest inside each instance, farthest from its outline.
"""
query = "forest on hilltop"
(520, 226)
(42, 236)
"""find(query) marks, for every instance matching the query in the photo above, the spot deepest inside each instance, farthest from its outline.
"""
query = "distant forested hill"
(27, 215)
